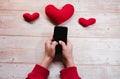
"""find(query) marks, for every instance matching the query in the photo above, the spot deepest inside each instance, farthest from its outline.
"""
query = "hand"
(49, 52)
(67, 53)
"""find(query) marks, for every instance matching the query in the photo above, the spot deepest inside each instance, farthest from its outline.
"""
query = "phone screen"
(60, 33)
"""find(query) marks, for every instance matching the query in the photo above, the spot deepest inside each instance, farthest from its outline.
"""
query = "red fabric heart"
(58, 16)
(86, 23)
(31, 17)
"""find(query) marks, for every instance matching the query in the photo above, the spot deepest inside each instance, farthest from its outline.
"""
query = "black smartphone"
(60, 33)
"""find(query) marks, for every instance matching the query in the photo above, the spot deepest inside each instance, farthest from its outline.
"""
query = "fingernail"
(55, 42)
(60, 42)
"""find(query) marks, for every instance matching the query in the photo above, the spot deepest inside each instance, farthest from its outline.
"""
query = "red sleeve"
(69, 73)
(38, 72)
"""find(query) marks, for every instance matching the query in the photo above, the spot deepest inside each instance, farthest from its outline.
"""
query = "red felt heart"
(58, 16)
(86, 23)
(31, 17)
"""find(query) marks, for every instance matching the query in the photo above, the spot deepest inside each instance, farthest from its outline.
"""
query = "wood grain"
(86, 71)
(107, 25)
(85, 50)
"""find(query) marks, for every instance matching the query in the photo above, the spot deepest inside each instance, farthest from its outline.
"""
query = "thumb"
(54, 43)
(62, 44)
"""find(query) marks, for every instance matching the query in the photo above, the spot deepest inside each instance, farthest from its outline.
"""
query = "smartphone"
(60, 33)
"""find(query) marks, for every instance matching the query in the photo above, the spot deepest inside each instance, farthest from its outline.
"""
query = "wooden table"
(96, 49)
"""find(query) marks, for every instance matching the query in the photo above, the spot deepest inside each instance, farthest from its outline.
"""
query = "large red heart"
(31, 17)
(58, 16)
(86, 23)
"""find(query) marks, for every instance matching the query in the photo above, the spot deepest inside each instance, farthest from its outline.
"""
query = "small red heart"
(86, 23)
(31, 17)
(58, 16)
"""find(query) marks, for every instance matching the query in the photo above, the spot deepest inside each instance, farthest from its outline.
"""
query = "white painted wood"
(99, 72)
(96, 49)
(14, 71)
(20, 71)
(107, 25)
(80, 5)
(85, 50)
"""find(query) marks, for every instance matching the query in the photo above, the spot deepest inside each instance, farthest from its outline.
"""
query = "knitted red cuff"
(39, 71)
(69, 73)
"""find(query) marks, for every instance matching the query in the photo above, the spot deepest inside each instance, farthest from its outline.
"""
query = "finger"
(51, 38)
(62, 44)
(49, 41)
(54, 43)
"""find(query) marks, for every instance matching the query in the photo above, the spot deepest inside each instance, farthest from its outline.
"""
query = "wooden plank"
(21, 55)
(99, 72)
(113, 72)
(85, 50)
(105, 26)
(80, 5)
(14, 71)
(20, 71)
(84, 57)
(21, 42)
(13, 28)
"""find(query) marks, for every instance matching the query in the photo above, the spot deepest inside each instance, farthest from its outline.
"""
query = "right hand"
(67, 53)
(49, 52)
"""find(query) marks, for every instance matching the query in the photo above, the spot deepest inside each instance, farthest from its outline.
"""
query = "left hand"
(49, 52)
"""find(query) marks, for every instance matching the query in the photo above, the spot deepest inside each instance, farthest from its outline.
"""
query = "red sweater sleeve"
(38, 72)
(69, 73)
